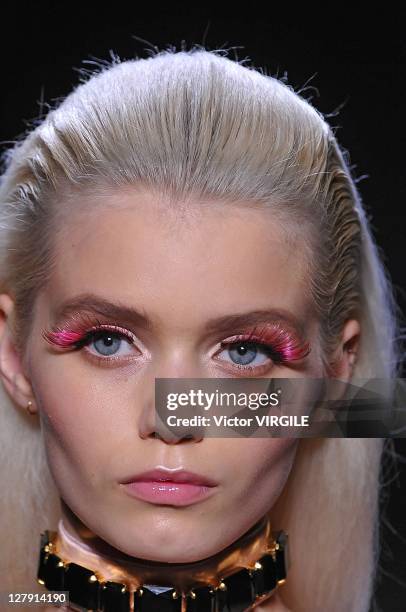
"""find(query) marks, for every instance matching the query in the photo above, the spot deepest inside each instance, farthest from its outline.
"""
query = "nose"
(152, 423)
(153, 413)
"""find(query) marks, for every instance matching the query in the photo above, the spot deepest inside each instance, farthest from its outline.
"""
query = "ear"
(346, 354)
(12, 373)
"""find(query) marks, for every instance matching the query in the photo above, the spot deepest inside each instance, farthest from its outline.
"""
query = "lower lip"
(168, 492)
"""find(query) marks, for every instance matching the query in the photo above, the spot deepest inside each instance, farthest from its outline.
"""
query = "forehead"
(137, 247)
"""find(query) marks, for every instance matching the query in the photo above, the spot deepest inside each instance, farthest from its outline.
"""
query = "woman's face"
(183, 274)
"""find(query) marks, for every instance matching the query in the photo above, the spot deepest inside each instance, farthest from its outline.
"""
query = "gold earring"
(28, 408)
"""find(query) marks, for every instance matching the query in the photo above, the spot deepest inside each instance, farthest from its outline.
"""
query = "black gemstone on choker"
(234, 593)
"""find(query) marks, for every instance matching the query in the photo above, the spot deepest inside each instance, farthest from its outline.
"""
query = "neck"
(76, 543)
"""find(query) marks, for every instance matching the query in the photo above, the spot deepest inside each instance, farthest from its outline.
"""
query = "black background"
(354, 68)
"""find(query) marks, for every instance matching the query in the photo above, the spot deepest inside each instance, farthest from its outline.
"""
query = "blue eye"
(243, 353)
(107, 343)
(247, 353)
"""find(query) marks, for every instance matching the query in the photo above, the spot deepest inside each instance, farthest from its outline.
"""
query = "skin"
(98, 420)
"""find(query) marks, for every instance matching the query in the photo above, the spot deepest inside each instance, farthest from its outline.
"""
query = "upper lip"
(171, 476)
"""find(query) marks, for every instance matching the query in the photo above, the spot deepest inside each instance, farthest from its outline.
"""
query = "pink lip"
(178, 488)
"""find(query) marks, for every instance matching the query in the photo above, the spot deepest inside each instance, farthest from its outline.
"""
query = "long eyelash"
(80, 333)
(280, 344)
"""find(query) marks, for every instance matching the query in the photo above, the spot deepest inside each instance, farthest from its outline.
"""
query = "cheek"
(76, 416)
(263, 466)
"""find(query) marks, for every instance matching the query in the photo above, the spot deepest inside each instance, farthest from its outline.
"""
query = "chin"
(177, 549)
(177, 555)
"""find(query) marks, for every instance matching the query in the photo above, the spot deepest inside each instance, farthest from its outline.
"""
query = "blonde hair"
(195, 124)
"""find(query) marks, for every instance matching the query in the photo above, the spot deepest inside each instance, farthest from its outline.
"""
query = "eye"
(256, 352)
(107, 343)
(244, 353)
(102, 342)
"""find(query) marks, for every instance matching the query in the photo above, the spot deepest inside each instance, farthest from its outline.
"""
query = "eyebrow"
(97, 305)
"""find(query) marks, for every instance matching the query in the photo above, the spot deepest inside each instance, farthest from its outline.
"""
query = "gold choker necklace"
(237, 579)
